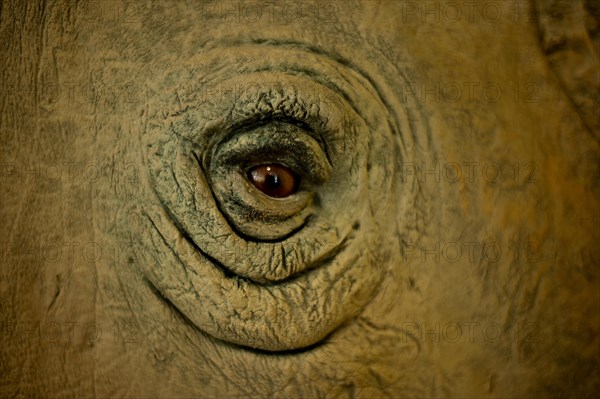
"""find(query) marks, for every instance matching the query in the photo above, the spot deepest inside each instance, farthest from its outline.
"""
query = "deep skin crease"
(202, 286)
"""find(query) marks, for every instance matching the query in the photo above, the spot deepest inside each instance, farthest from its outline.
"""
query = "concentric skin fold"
(268, 273)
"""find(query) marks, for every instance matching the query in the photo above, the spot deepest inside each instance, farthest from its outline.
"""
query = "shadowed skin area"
(441, 242)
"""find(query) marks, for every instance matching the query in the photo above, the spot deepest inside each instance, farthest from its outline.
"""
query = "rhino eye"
(274, 180)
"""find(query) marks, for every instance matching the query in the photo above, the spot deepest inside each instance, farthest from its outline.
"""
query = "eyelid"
(276, 143)
(280, 104)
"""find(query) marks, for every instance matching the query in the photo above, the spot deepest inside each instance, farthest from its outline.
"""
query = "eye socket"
(274, 180)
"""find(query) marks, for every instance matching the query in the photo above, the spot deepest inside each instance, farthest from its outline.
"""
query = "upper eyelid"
(304, 113)
(317, 136)
(312, 160)
(217, 124)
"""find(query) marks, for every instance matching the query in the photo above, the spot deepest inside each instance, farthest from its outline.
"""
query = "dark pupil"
(274, 180)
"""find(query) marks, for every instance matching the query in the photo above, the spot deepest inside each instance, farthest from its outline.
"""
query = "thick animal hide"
(440, 234)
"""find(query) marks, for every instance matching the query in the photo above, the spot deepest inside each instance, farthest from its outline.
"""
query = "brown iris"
(274, 180)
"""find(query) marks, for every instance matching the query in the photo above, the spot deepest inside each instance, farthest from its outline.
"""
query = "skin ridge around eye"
(357, 274)
(240, 329)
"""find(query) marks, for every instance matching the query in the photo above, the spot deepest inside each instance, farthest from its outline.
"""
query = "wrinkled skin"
(196, 284)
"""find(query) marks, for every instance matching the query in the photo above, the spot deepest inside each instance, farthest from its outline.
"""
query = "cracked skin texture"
(229, 293)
